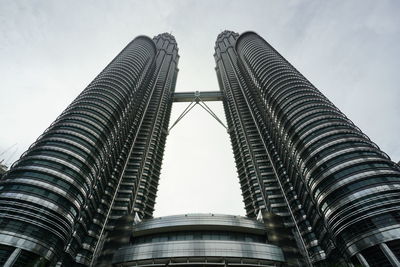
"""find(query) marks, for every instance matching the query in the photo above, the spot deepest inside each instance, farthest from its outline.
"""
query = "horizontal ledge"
(198, 249)
(192, 222)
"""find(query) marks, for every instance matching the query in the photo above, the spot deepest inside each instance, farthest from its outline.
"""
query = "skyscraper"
(99, 160)
(298, 156)
(316, 190)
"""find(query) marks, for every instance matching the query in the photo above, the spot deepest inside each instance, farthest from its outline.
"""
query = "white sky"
(50, 50)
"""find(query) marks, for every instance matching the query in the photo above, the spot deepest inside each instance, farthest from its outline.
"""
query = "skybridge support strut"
(197, 98)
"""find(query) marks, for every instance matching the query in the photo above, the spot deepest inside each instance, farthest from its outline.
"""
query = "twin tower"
(316, 189)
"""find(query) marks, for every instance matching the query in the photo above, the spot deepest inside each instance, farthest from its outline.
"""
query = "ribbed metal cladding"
(55, 199)
(329, 161)
(264, 184)
(240, 129)
(160, 115)
(138, 187)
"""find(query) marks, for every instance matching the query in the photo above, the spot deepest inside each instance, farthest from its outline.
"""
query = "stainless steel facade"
(98, 161)
(307, 173)
(298, 156)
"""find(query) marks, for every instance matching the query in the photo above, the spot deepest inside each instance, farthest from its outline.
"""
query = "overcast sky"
(50, 50)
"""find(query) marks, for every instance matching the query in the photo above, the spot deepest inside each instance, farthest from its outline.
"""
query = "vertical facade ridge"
(264, 179)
